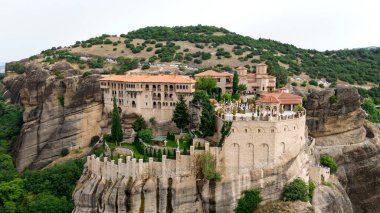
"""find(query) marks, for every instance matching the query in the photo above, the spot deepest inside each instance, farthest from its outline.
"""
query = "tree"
(249, 201)
(139, 124)
(235, 83)
(116, 130)
(12, 190)
(181, 115)
(207, 126)
(48, 203)
(242, 87)
(296, 190)
(200, 96)
(206, 83)
(146, 135)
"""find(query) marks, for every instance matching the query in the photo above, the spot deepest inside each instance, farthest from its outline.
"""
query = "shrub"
(145, 66)
(313, 82)
(208, 167)
(303, 84)
(64, 152)
(149, 49)
(94, 140)
(61, 100)
(332, 99)
(294, 84)
(146, 135)
(329, 162)
(139, 124)
(296, 190)
(311, 189)
(197, 61)
(85, 74)
(321, 85)
(17, 67)
(107, 41)
(249, 201)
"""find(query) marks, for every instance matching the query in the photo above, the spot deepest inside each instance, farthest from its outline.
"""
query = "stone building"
(148, 95)
(257, 83)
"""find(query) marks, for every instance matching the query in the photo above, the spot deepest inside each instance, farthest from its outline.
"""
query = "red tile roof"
(213, 73)
(282, 98)
(178, 79)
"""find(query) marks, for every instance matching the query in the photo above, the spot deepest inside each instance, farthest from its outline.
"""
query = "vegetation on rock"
(249, 201)
(296, 190)
(208, 167)
(330, 162)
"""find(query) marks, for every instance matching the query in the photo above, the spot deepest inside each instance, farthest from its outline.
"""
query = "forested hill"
(208, 46)
(358, 65)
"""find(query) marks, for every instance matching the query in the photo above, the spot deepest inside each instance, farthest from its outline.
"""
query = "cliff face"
(174, 185)
(59, 112)
(342, 132)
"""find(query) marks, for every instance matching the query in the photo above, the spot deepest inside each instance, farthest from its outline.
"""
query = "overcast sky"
(29, 26)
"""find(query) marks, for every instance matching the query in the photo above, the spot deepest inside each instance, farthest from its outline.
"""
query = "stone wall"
(131, 186)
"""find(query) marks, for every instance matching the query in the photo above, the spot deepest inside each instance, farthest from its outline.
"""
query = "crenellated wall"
(136, 186)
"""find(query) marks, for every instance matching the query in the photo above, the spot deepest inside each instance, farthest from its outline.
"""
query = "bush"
(313, 82)
(94, 140)
(303, 84)
(249, 201)
(294, 84)
(197, 61)
(85, 74)
(311, 189)
(321, 85)
(64, 152)
(145, 66)
(146, 135)
(208, 167)
(17, 67)
(329, 162)
(296, 190)
(332, 99)
(149, 49)
(139, 124)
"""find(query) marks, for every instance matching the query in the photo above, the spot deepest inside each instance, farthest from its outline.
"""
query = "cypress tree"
(159, 155)
(150, 152)
(116, 131)
(154, 153)
(207, 126)
(181, 115)
(164, 153)
(235, 83)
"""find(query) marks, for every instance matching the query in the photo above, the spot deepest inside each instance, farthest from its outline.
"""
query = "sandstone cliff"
(342, 132)
(60, 111)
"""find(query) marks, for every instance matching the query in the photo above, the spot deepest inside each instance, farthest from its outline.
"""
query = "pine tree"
(207, 126)
(235, 83)
(116, 130)
(181, 115)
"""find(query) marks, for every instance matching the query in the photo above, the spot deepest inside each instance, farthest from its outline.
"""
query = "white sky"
(29, 26)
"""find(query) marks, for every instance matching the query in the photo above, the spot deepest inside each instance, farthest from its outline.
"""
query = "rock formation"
(341, 131)
(59, 112)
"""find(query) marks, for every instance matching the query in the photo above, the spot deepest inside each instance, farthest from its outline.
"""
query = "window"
(272, 130)
(258, 130)
(246, 130)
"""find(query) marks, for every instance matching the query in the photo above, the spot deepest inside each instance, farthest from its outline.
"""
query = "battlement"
(183, 165)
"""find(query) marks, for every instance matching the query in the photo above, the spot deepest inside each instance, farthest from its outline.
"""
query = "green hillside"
(208, 46)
